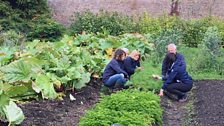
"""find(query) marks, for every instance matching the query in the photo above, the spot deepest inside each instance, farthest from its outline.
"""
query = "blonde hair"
(135, 52)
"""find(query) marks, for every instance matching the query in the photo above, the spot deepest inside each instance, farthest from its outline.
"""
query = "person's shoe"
(118, 87)
(106, 90)
(183, 99)
(170, 95)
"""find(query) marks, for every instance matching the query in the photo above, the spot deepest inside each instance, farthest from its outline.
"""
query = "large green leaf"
(83, 81)
(4, 99)
(73, 73)
(44, 83)
(16, 71)
(13, 113)
(6, 54)
(17, 90)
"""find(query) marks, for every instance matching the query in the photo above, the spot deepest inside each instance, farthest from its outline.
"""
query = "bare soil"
(205, 106)
(209, 104)
(61, 113)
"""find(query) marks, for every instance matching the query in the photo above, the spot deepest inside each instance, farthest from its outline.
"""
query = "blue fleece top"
(112, 68)
(130, 65)
(165, 68)
(178, 72)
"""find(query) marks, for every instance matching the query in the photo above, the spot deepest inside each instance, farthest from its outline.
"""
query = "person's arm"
(115, 66)
(128, 66)
(138, 63)
(171, 77)
(179, 60)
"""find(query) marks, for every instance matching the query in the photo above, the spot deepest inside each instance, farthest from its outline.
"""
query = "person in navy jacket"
(165, 66)
(114, 73)
(132, 62)
(178, 81)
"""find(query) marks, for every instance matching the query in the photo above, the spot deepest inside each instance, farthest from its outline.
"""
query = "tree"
(174, 8)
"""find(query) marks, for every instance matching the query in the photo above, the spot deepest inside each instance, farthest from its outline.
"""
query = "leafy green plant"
(6, 55)
(31, 17)
(130, 107)
(9, 111)
(11, 38)
(142, 79)
(44, 28)
(112, 22)
(211, 47)
(166, 37)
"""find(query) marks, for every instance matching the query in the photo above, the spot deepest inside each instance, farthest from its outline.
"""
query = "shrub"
(11, 38)
(128, 108)
(212, 50)
(45, 28)
(112, 22)
(30, 17)
(166, 37)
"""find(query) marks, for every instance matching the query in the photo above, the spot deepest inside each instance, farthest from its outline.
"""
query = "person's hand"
(157, 77)
(161, 92)
(140, 68)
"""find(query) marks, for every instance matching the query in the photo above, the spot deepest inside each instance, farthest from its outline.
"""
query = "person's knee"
(169, 88)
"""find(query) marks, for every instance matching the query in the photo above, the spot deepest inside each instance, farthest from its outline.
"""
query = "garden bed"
(204, 107)
(64, 112)
(209, 104)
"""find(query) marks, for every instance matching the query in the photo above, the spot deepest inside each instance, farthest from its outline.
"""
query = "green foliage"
(9, 111)
(45, 28)
(137, 42)
(16, 71)
(128, 108)
(194, 30)
(197, 60)
(13, 113)
(30, 17)
(155, 26)
(6, 55)
(212, 42)
(190, 32)
(111, 22)
(142, 79)
(166, 37)
(212, 50)
(44, 84)
(11, 38)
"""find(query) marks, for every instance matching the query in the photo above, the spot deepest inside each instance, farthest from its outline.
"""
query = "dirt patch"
(209, 104)
(61, 113)
(205, 106)
(175, 113)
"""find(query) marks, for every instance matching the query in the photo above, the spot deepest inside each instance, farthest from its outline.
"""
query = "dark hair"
(118, 54)
(170, 59)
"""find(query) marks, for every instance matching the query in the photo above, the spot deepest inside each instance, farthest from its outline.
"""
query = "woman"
(132, 62)
(114, 73)
(178, 82)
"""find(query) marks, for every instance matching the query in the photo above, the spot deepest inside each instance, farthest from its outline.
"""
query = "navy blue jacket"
(130, 65)
(112, 68)
(178, 72)
(165, 68)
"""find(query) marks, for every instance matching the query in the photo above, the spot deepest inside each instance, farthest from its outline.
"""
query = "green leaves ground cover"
(128, 108)
(142, 79)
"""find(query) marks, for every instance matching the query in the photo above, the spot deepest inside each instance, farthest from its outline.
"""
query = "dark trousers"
(179, 89)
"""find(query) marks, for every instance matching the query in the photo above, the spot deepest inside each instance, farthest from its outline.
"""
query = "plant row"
(125, 108)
